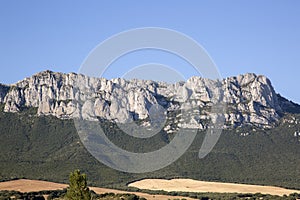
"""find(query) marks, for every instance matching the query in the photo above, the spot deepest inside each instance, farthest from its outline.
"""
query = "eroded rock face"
(249, 99)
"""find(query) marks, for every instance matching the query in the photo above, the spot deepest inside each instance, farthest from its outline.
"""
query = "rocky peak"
(250, 98)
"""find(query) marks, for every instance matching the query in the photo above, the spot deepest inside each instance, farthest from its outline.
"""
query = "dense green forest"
(48, 148)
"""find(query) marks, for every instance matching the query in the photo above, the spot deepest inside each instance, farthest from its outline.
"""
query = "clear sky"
(241, 36)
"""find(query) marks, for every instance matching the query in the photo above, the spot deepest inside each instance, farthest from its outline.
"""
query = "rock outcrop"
(249, 99)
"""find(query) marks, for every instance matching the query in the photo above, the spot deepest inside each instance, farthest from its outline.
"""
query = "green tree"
(78, 189)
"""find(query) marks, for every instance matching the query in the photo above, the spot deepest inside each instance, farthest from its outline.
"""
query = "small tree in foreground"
(78, 189)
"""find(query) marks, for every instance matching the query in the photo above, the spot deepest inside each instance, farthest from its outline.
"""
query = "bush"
(78, 187)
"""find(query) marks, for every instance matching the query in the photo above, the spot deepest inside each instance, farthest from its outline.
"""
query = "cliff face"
(250, 99)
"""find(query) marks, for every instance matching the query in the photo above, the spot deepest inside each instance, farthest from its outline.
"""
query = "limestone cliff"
(249, 98)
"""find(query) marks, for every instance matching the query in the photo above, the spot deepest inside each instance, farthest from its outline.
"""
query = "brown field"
(189, 185)
(24, 185)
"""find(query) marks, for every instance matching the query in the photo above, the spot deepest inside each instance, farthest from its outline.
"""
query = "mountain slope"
(37, 144)
(48, 148)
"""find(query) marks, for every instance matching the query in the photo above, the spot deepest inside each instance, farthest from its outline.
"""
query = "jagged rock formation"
(250, 99)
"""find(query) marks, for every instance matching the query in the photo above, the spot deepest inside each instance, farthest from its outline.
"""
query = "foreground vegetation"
(59, 195)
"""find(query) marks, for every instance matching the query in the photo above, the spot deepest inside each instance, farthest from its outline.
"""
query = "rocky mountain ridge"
(250, 99)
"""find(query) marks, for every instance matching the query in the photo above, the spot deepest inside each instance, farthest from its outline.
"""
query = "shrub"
(78, 187)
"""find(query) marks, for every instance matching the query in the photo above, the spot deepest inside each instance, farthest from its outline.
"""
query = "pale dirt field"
(24, 185)
(189, 185)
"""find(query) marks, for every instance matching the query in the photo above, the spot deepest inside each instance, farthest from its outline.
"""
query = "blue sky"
(241, 36)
